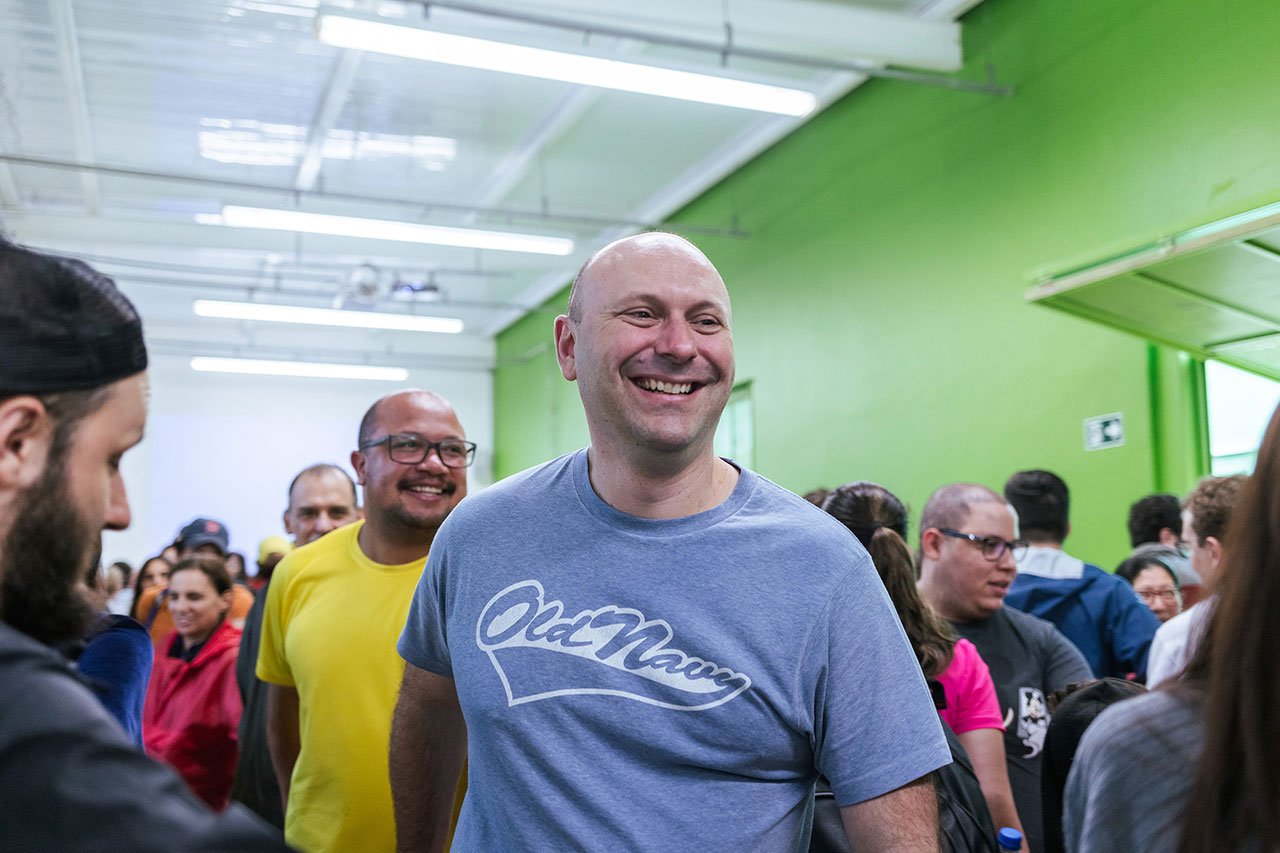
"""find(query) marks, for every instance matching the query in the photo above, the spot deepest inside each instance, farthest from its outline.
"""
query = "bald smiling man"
(649, 647)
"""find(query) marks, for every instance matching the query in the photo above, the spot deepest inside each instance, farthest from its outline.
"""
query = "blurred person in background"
(237, 569)
(73, 401)
(119, 587)
(1192, 766)
(192, 714)
(114, 656)
(320, 498)
(1093, 608)
(879, 520)
(152, 574)
(1154, 581)
(1206, 514)
(1155, 524)
(200, 536)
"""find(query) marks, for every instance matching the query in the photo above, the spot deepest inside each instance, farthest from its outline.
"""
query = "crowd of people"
(639, 645)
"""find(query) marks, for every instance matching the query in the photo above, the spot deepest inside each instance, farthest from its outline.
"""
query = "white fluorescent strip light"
(309, 369)
(415, 43)
(383, 229)
(325, 317)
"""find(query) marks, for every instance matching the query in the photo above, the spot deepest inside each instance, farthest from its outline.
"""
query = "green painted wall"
(879, 303)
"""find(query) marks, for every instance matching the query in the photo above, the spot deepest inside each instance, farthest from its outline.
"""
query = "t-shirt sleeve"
(875, 726)
(273, 662)
(971, 694)
(424, 642)
(1063, 663)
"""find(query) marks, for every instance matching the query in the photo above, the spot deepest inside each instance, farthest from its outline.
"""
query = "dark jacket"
(71, 781)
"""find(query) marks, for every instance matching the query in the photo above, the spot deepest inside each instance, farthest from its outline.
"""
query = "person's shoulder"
(1043, 632)
(300, 561)
(43, 694)
(1177, 628)
(781, 507)
(1131, 724)
(516, 495)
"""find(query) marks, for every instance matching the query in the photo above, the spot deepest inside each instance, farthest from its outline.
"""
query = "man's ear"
(26, 433)
(931, 544)
(357, 464)
(1214, 547)
(288, 526)
(566, 346)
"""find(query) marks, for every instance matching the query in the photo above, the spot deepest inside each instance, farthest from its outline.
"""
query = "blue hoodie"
(1094, 609)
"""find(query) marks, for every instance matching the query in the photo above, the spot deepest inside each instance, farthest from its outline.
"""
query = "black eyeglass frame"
(427, 447)
(1017, 547)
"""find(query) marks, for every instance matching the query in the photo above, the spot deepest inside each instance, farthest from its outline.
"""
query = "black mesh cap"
(63, 325)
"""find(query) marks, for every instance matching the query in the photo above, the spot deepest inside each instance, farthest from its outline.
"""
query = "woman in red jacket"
(192, 709)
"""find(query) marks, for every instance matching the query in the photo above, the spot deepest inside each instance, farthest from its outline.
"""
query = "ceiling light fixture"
(308, 369)
(273, 219)
(415, 43)
(325, 317)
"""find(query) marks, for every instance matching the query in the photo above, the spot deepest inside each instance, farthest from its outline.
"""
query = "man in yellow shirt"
(334, 611)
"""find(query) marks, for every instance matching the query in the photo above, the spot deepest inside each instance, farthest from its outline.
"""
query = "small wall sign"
(1104, 431)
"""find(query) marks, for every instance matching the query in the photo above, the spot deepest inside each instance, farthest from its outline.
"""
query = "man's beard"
(42, 560)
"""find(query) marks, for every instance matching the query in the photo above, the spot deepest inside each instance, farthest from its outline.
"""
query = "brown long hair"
(1234, 674)
(879, 520)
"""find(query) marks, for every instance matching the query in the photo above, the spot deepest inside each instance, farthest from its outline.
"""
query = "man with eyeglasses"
(1093, 608)
(968, 550)
(334, 610)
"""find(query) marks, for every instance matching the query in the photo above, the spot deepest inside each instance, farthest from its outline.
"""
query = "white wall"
(226, 446)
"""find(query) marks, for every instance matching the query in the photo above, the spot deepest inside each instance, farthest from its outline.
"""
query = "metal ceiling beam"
(420, 205)
(734, 45)
(515, 166)
(64, 34)
(684, 189)
(795, 28)
(330, 107)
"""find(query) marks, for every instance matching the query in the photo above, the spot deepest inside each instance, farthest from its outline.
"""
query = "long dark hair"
(879, 520)
(1235, 675)
(138, 581)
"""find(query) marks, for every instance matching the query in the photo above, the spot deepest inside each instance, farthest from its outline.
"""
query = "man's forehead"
(652, 262)
(319, 486)
(416, 412)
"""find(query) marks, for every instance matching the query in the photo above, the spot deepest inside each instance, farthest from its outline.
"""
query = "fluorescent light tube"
(415, 43)
(383, 229)
(309, 369)
(325, 317)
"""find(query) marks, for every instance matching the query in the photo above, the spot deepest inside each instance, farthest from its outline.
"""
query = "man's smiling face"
(652, 350)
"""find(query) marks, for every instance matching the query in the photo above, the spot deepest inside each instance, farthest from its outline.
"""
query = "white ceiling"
(237, 102)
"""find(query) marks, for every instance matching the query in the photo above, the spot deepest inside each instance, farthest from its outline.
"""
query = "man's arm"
(904, 820)
(428, 745)
(284, 738)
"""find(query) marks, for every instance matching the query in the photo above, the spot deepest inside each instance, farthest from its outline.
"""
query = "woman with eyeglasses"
(1192, 766)
(1154, 582)
(879, 519)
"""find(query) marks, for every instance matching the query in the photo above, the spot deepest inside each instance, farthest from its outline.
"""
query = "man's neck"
(391, 545)
(662, 488)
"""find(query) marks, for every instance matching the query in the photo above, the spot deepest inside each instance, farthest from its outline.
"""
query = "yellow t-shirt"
(329, 629)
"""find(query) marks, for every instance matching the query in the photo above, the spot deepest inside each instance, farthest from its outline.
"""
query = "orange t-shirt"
(162, 624)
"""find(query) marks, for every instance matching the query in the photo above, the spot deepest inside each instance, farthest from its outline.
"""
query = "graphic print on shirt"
(539, 653)
(1033, 720)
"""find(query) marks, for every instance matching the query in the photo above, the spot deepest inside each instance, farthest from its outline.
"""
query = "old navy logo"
(612, 651)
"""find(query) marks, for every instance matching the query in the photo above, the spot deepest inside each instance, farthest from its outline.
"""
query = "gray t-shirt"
(70, 780)
(1028, 659)
(641, 684)
(1132, 776)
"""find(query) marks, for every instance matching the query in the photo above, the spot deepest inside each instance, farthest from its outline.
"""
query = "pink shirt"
(971, 695)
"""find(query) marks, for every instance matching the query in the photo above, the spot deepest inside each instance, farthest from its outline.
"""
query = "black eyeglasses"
(993, 547)
(410, 449)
